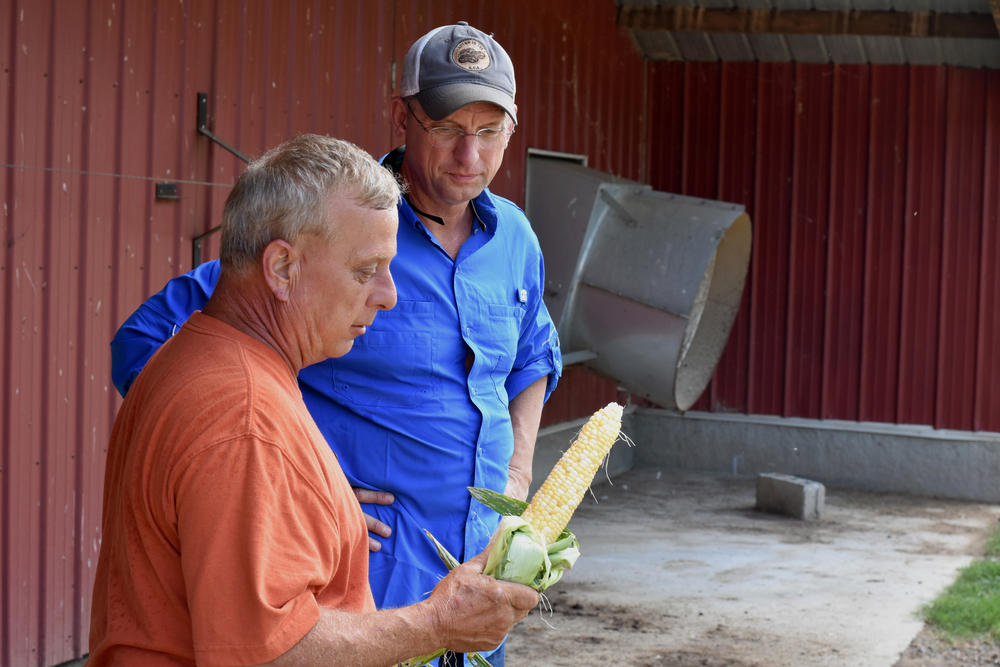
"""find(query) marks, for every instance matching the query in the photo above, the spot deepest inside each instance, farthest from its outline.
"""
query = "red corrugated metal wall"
(97, 105)
(874, 280)
(873, 291)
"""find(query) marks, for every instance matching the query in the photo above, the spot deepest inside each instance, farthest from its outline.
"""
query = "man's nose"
(384, 296)
(467, 148)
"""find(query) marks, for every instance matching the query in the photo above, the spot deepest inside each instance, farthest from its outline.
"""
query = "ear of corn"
(559, 495)
(531, 545)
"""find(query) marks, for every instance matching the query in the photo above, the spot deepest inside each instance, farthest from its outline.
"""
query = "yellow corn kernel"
(557, 498)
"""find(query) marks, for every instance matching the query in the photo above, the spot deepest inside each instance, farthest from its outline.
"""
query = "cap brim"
(440, 102)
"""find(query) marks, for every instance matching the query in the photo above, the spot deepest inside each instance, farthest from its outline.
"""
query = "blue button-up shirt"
(403, 411)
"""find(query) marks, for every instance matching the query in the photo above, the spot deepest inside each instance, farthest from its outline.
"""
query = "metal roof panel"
(807, 48)
(696, 46)
(770, 48)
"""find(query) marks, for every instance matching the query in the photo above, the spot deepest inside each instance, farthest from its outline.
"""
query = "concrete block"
(786, 494)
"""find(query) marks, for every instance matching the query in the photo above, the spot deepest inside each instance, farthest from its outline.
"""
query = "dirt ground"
(679, 569)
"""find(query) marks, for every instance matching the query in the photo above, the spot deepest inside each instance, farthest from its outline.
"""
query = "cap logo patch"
(471, 54)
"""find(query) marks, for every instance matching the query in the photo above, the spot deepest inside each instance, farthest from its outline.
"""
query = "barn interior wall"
(875, 275)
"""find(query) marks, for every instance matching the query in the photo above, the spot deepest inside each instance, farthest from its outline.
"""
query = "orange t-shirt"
(227, 521)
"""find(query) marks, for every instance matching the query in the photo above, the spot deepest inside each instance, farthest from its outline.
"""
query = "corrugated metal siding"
(97, 105)
(738, 101)
(769, 258)
(962, 232)
(873, 291)
(873, 284)
(988, 367)
(918, 351)
(845, 242)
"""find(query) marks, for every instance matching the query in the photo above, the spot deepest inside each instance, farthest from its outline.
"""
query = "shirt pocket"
(390, 365)
(505, 332)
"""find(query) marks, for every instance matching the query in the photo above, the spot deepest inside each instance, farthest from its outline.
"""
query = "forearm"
(525, 416)
(466, 611)
(378, 638)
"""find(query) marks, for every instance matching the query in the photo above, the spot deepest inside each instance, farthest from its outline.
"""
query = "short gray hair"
(282, 193)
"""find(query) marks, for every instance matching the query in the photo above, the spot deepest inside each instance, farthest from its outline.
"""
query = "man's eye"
(446, 132)
(488, 133)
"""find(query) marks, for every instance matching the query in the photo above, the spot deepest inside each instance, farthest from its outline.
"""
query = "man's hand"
(374, 525)
(473, 611)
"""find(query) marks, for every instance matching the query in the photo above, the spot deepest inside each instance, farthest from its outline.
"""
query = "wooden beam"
(812, 22)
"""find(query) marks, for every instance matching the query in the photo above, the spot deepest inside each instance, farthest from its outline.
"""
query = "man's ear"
(399, 116)
(280, 264)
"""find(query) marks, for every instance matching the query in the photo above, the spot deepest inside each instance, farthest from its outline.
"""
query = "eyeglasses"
(445, 136)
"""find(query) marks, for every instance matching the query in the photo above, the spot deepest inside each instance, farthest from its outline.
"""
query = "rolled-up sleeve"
(538, 351)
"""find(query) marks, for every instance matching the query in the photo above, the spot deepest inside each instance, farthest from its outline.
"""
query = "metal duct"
(644, 285)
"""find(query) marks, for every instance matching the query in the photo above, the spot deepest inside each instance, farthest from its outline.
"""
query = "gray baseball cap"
(455, 65)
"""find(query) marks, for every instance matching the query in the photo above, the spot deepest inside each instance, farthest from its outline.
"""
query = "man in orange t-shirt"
(230, 535)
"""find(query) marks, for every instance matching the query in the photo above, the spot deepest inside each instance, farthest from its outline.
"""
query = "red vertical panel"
(192, 212)
(132, 283)
(164, 90)
(960, 248)
(298, 56)
(987, 403)
(9, 37)
(28, 238)
(918, 348)
(807, 257)
(666, 125)
(277, 81)
(60, 629)
(769, 257)
(728, 389)
(701, 130)
(95, 399)
(699, 170)
(884, 242)
(344, 63)
(374, 108)
(256, 94)
(845, 243)
(228, 99)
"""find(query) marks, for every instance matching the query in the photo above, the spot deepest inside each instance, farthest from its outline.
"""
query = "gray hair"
(281, 194)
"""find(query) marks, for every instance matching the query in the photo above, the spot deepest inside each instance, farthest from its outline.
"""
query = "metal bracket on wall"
(197, 242)
(203, 127)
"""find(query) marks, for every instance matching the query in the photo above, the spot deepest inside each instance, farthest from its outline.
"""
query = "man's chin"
(342, 349)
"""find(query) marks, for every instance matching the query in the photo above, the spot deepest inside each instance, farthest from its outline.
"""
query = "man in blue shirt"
(446, 390)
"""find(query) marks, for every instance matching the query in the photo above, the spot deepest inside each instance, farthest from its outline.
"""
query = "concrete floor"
(678, 568)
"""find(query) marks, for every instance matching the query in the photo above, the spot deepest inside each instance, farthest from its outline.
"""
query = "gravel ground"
(928, 649)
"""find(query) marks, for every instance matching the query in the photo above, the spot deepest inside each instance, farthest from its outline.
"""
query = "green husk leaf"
(518, 554)
(498, 502)
(450, 561)
(422, 659)
(562, 558)
(478, 660)
(515, 553)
